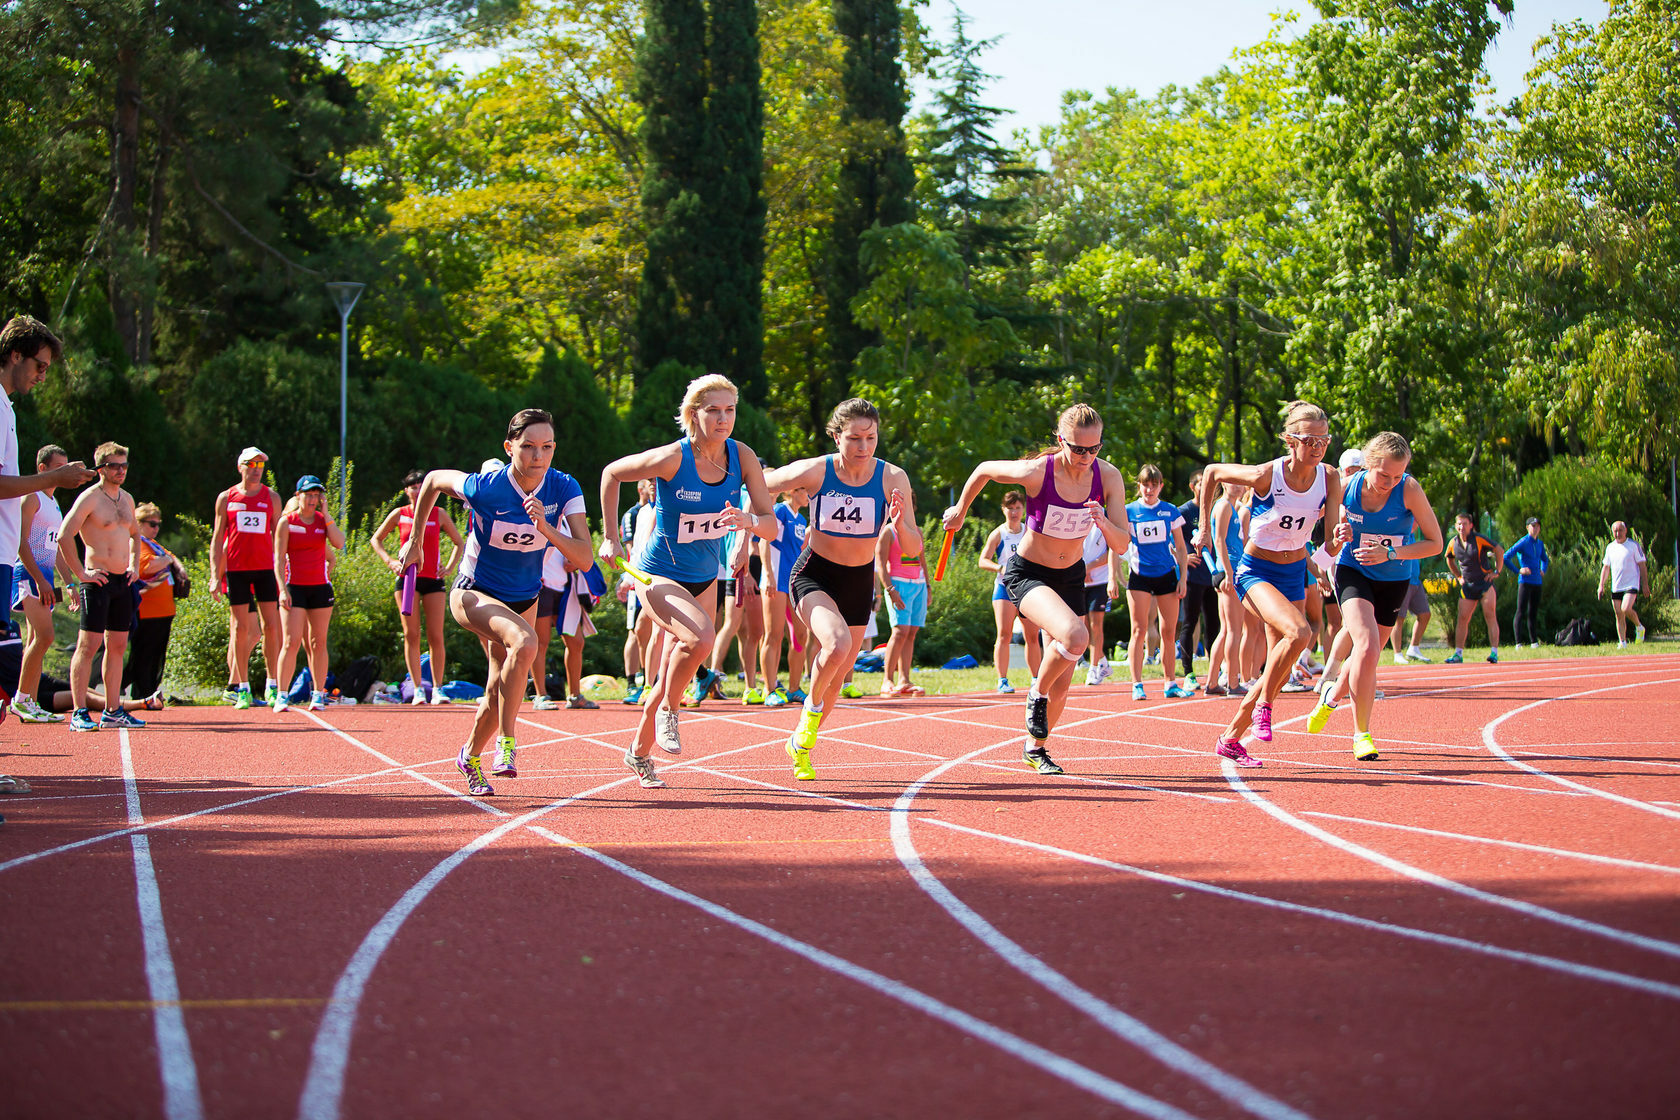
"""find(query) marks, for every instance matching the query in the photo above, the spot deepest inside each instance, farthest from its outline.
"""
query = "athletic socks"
(270, 683)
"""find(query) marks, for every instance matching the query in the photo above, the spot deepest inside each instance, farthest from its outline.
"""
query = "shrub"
(1570, 591)
(1577, 499)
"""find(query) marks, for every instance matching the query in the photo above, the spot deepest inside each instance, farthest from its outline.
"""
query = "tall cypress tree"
(735, 195)
(876, 178)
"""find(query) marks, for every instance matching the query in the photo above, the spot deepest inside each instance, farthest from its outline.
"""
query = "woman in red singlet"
(431, 589)
(303, 569)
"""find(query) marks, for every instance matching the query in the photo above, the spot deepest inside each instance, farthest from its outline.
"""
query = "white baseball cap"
(1352, 457)
(250, 453)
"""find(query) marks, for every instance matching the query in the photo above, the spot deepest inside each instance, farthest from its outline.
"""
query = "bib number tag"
(1151, 532)
(251, 521)
(1066, 522)
(512, 536)
(700, 527)
(848, 515)
(1379, 540)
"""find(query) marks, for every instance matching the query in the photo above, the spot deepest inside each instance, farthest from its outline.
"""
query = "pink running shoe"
(1234, 750)
(1263, 722)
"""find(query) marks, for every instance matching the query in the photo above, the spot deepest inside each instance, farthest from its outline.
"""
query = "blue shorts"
(781, 568)
(1291, 579)
(1000, 593)
(914, 592)
(23, 587)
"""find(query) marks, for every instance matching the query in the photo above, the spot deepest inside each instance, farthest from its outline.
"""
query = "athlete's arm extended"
(1238, 474)
(1026, 473)
(763, 512)
(801, 472)
(656, 462)
(1429, 542)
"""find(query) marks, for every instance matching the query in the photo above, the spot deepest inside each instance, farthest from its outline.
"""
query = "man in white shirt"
(1624, 568)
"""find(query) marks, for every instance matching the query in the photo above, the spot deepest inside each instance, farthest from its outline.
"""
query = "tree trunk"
(154, 239)
(1234, 362)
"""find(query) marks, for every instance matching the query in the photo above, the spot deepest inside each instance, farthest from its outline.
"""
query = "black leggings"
(1199, 598)
(1528, 610)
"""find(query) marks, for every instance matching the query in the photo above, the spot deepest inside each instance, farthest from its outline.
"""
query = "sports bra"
(1054, 516)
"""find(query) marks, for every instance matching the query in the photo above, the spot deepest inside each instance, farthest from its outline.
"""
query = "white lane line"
(1554, 964)
(1127, 1027)
(181, 1100)
(1013, 1045)
(1115, 783)
(1582, 925)
(1567, 853)
(1491, 740)
(1367, 769)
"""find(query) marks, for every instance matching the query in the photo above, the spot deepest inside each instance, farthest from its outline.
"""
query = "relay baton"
(944, 555)
(793, 632)
(410, 574)
(741, 578)
(636, 574)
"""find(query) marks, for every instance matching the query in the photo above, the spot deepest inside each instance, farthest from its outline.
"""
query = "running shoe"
(1533, 645)
(1239, 689)
(644, 771)
(1400, 658)
(805, 731)
(1619, 645)
(714, 688)
(230, 695)
(1037, 758)
(694, 693)
(1263, 722)
(119, 718)
(472, 768)
(507, 758)
(797, 695)
(545, 704)
(281, 704)
(1299, 681)
(1174, 692)
(1099, 672)
(1457, 658)
(270, 693)
(1364, 747)
(82, 720)
(665, 731)
(1137, 691)
(1038, 717)
(438, 698)
(419, 697)
(1320, 715)
(581, 703)
(776, 699)
(1004, 688)
(1152, 658)
(1216, 690)
(753, 696)
(30, 711)
(634, 695)
(317, 701)
(849, 692)
(1493, 657)
(1192, 683)
(1236, 752)
(1416, 654)
(242, 699)
(1642, 633)
(801, 756)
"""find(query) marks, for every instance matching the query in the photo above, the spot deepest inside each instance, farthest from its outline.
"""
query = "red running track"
(313, 920)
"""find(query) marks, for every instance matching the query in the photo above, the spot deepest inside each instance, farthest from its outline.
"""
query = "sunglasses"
(1308, 441)
(1079, 448)
(123, 466)
(153, 524)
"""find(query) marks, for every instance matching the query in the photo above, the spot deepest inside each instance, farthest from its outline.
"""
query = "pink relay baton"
(410, 575)
(741, 587)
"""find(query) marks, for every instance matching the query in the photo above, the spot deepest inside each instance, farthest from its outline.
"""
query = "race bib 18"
(1067, 522)
(700, 527)
(513, 536)
(848, 515)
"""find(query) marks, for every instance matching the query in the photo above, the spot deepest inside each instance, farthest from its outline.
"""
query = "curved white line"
(1135, 1031)
(1542, 849)
(1490, 740)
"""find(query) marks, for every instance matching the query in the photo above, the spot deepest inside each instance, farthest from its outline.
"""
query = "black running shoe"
(1038, 717)
(1037, 758)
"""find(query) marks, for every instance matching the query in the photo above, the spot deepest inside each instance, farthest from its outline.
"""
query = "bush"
(1577, 499)
(1570, 591)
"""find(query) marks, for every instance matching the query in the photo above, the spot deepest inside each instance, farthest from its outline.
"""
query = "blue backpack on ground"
(965, 661)
(299, 692)
(870, 662)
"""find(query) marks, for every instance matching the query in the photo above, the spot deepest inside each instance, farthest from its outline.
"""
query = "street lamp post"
(344, 294)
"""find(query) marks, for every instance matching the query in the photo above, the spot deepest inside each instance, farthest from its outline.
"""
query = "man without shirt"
(103, 517)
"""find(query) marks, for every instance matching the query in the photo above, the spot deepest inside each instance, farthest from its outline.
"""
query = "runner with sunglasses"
(1068, 489)
(1291, 493)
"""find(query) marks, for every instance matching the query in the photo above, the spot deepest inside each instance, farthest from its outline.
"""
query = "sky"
(1048, 46)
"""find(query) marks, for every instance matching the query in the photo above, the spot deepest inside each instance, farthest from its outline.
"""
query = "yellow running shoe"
(801, 761)
(1318, 717)
(805, 731)
(1364, 747)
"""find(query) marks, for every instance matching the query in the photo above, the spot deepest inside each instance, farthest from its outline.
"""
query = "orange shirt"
(159, 601)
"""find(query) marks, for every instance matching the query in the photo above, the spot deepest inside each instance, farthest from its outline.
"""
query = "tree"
(736, 194)
(588, 433)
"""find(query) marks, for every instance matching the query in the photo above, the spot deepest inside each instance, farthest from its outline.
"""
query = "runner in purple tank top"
(1068, 490)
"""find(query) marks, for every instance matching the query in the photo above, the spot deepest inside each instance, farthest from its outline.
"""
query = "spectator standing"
(1529, 557)
(242, 567)
(430, 585)
(1416, 605)
(1157, 580)
(304, 544)
(1624, 568)
(1475, 563)
(905, 580)
(103, 516)
(1102, 584)
(1198, 612)
(161, 574)
(36, 591)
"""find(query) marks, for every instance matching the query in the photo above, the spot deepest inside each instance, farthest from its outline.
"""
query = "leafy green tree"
(588, 433)
(735, 195)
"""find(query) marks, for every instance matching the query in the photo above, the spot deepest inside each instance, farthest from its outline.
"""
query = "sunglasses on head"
(1079, 448)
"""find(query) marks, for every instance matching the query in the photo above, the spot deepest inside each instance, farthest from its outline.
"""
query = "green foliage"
(1577, 500)
(588, 433)
(652, 417)
(1570, 591)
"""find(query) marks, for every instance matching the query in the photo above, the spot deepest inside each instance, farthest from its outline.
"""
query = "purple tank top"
(1049, 514)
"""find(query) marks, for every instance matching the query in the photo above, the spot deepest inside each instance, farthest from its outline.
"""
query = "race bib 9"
(1066, 522)
(510, 536)
(251, 521)
(1378, 539)
(848, 515)
(700, 527)
(1151, 532)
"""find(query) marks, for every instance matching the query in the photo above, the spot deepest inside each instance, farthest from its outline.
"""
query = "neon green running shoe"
(271, 694)
(243, 699)
(805, 731)
(753, 696)
(1318, 717)
(801, 759)
(1364, 747)
(850, 692)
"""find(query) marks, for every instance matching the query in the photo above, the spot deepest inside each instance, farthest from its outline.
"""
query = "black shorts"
(1164, 584)
(517, 606)
(1386, 596)
(423, 585)
(108, 607)
(1021, 575)
(725, 591)
(1417, 601)
(755, 566)
(550, 602)
(1626, 591)
(1096, 597)
(1473, 591)
(851, 587)
(310, 596)
(255, 585)
(47, 688)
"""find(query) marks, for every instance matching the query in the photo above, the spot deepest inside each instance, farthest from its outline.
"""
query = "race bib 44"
(849, 515)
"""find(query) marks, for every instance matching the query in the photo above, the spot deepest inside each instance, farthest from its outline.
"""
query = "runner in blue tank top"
(516, 512)
(697, 480)
(1068, 490)
(854, 496)
(1290, 494)
(1384, 503)
(1221, 559)
(1155, 584)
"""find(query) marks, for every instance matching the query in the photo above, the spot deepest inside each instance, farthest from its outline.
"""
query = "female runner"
(515, 514)
(999, 549)
(429, 585)
(1382, 506)
(696, 482)
(779, 556)
(854, 495)
(303, 569)
(1290, 494)
(1227, 546)
(1156, 584)
(1046, 576)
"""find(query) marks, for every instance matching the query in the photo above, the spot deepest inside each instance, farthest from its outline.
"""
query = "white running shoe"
(317, 701)
(545, 704)
(30, 711)
(438, 698)
(1099, 672)
(419, 696)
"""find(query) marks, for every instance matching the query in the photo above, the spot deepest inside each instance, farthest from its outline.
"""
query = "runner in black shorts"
(103, 516)
(1475, 563)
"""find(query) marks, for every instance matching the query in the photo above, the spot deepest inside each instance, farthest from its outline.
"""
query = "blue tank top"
(504, 551)
(1391, 524)
(1233, 540)
(790, 540)
(849, 511)
(687, 539)
(1152, 530)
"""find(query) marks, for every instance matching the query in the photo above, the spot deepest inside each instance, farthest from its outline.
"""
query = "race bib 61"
(1151, 532)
